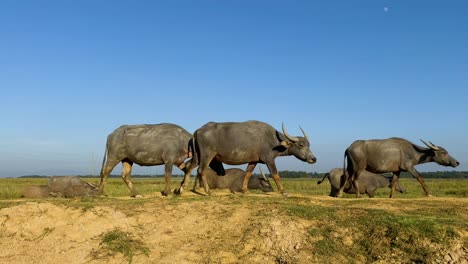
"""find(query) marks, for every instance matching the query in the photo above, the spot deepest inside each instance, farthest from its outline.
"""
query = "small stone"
(447, 258)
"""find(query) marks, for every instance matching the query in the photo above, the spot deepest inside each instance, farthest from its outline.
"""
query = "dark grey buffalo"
(391, 155)
(368, 182)
(61, 186)
(233, 180)
(146, 145)
(249, 142)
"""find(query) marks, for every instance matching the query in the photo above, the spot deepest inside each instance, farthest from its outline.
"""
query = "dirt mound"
(230, 229)
(195, 232)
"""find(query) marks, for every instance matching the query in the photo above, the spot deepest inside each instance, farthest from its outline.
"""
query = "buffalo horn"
(434, 146)
(430, 145)
(263, 174)
(305, 135)
(294, 139)
(92, 184)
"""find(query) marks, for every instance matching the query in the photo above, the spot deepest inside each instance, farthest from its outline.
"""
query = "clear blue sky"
(73, 71)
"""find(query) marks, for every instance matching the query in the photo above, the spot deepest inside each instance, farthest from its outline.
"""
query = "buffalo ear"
(286, 144)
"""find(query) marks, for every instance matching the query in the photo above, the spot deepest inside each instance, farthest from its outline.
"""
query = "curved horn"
(294, 139)
(434, 146)
(305, 135)
(430, 145)
(263, 174)
(91, 184)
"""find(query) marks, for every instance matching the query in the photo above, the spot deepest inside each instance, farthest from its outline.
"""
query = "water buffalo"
(391, 155)
(39, 191)
(233, 180)
(146, 145)
(72, 186)
(61, 186)
(251, 142)
(368, 182)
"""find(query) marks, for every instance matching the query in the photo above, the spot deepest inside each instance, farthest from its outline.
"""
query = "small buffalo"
(72, 186)
(233, 180)
(65, 186)
(80, 191)
(368, 182)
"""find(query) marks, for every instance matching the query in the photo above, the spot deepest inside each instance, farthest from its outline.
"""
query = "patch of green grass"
(326, 246)
(457, 193)
(117, 241)
(374, 233)
(309, 211)
(383, 232)
(6, 204)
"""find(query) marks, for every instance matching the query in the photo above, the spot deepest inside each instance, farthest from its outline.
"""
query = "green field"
(10, 188)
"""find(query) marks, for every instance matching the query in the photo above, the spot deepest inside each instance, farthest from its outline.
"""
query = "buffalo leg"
(127, 178)
(343, 180)
(205, 161)
(248, 173)
(105, 171)
(195, 182)
(347, 173)
(395, 178)
(189, 166)
(167, 178)
(274, 172)
(355, 183)
(420, 179)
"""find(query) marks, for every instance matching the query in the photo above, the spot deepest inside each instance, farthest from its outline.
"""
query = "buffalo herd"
(236, 143)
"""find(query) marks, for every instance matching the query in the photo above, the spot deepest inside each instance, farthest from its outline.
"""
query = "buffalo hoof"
(285, 194)
(429, 195)
(179, 191)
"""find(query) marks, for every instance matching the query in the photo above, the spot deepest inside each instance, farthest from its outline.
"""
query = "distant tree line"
(296, 174)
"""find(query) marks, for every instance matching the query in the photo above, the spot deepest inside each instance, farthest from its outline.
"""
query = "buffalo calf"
(368, 182)
(233, 180)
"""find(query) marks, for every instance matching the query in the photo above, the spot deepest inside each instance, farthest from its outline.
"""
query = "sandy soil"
(202, 231)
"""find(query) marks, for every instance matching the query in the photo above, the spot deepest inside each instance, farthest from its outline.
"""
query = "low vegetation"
(10, 188)
(351, 230)
(118, 241)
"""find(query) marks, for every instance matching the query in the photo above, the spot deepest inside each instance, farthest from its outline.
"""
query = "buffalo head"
(298, 146)
(441, 155)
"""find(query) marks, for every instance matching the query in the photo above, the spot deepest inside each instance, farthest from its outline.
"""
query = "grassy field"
(10, 188)
(409, 228)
